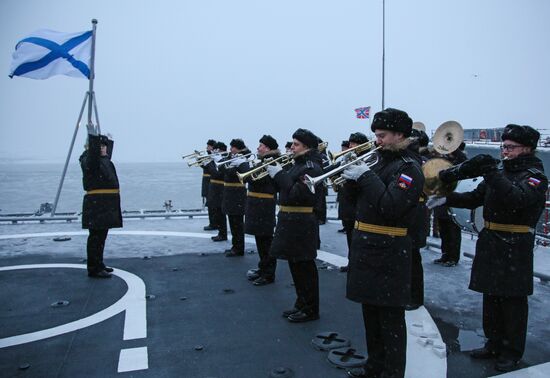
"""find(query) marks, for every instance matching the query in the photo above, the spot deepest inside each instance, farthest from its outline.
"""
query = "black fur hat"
(358, 138)
(422, 137)
(393, 120)
(524, 135)
(269, 141)
(288, 145)
(220, 146)
(306, 137)
(345, 143)
(238, 144)
(211, 142)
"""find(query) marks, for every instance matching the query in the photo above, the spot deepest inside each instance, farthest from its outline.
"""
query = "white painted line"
(141, 233)
(133, 302)
(133, 359)
(332, 259)
(418, 356)
(537, 371)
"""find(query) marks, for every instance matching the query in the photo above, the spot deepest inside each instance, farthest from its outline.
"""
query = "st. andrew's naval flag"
(46, 53)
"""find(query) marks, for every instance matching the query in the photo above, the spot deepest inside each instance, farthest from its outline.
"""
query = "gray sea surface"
(23, 187)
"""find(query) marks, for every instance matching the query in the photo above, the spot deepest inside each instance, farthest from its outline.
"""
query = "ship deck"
(177, 307)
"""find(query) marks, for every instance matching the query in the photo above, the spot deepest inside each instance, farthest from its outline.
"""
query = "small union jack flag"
(363, 112)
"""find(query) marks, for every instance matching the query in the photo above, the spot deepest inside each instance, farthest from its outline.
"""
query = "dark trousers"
(94, 249)
(219, 220)
(211, 220)
(451, 237)
(417, 278)
(505, 324)
(306, 284)
(267, 264)
(386, 335)
(236, 224)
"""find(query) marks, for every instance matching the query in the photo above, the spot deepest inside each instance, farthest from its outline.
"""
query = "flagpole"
(88, 98)
(92, 76)
(383, 47)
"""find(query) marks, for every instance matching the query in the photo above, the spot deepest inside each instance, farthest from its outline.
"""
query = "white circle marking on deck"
(133, 302)
(419, 356)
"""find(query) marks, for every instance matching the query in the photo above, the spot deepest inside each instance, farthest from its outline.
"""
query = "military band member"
(101, 204)
(321, 191)
(449, 232)
(260, 214)
(204, 188)
(297, 231)
(215, 192)
(288, 147)
(419, 229)
(348, 197)
(513, 198)
(379, 275)
(344, 146)
(234, 197)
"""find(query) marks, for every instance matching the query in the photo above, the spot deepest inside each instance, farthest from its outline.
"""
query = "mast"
(383, 48)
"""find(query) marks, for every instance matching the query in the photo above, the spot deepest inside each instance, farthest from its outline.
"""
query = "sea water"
(23, 187)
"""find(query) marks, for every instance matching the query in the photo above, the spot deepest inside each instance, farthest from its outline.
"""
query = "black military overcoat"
(296, 234)
(515, 194)
(99, 211)
(260, 212)
(380, 265)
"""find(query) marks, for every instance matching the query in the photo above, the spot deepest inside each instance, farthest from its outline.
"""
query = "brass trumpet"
(260, 171)
(370, 158)
(226, 163)
(194, 154)
(360, 148)
(204, 159)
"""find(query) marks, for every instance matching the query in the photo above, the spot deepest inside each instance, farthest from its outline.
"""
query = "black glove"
(478, 166)
(450, 174)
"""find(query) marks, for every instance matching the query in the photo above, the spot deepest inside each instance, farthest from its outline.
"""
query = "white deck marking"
(537, 371)
(133, 359)
(418, 356)
(133, 302)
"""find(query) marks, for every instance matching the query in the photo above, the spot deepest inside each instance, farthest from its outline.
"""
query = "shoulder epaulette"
(309, 164)
(536, 172)
(407, 159)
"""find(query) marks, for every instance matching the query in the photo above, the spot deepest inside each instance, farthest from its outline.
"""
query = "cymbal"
(419, 126)
(447, 137)
(432, 183)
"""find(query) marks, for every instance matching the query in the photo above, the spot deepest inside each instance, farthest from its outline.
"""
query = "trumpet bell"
(432, 184)
(447, 137)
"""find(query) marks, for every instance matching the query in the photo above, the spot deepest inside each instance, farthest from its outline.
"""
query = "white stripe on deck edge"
(133, 359)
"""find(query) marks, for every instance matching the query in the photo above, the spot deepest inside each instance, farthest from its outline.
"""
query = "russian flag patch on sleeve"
(404, 181)
(533, 182)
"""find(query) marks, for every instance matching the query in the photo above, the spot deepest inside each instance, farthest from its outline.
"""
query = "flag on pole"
(46, 53)
(363, 112)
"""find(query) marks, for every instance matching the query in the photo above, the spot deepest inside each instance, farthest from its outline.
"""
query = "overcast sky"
(172, 74)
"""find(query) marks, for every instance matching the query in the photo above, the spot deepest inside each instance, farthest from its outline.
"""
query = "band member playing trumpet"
(234, 197)
(260, 214)
(297, 231)
(347, 195)
(215, 192)
(503, 264)
(379, 275)
(204, 188)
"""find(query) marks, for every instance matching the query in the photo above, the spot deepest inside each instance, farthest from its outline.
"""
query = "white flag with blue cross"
(46, 53)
